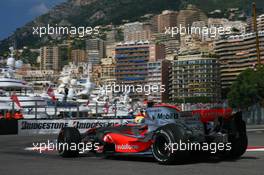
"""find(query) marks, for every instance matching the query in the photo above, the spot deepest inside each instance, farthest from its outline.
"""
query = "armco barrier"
(8, 127)
(49, 126)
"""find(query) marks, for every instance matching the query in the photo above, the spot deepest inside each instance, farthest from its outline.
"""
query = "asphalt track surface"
(15, 160)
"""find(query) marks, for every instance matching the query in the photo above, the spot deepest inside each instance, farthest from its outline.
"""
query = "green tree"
(29, 57)
(248, 89)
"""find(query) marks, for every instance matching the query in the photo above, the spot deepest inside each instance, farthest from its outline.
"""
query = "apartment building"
(158, 75)
(50, 58)
(131, 63)
(236, 54)
(194, 76)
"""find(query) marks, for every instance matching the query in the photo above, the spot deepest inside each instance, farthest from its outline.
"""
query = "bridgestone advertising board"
(31, 127)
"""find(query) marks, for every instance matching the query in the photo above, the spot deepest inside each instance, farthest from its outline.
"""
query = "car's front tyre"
(68, 140)
(164, 141)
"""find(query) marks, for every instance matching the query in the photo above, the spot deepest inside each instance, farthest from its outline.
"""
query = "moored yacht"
(10, 84)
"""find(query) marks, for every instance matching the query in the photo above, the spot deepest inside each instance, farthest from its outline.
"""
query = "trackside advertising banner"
(30, 127)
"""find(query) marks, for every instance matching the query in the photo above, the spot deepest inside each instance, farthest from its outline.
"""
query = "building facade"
(50, 58)
(158, 75)
(94, 57)
(108, 67)
(132, 63)
(137, 31)
(96, 74)
(189, 15)
(172, 44)
(95, 49)
(194, 77)
(138, 35)
(130, 28)
(236, 54)
(78, 56)
(260, 24)
(166, 19)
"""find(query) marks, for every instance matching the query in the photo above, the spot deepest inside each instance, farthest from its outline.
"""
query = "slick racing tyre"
(69, 138)
(238, 140)
(170, 134)
(237, 137)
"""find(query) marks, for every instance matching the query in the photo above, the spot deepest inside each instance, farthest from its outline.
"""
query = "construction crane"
(256, 32)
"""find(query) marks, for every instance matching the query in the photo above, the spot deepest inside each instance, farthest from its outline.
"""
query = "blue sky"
(15, 13)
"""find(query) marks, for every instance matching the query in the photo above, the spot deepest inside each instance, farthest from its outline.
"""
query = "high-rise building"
(110, 50)
(93, 57)
(95, 49)
(108, 71)
(111, 37)
(166, 19)
(189, 15)
(171, 44)
(132, 60)
(78, 56)
(138, 35)
(137, 31)
(154, 24)
(194, 76)
(156, 52)
(96, 74)
(226, 24)
(132, 28)
(158, 75)
(260, 23)
(50, 58)
(236, 54)
(199, 25)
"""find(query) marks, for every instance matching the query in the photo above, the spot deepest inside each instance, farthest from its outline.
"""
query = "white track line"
(257, 149)
(252, 130)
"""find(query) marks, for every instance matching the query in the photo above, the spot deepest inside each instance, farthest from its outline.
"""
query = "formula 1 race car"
(169, 135)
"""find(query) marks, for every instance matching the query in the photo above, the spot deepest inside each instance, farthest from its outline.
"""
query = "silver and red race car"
(167, 134)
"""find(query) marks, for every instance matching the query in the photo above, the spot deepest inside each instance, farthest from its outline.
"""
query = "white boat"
(89, 97)
(10, 84)
(24, 92)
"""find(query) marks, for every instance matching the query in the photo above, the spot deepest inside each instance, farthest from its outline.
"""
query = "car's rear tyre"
(69, 138)
(238, 139)
(170, 134)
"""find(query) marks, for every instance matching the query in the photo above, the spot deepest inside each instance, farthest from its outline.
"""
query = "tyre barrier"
(8, 127)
